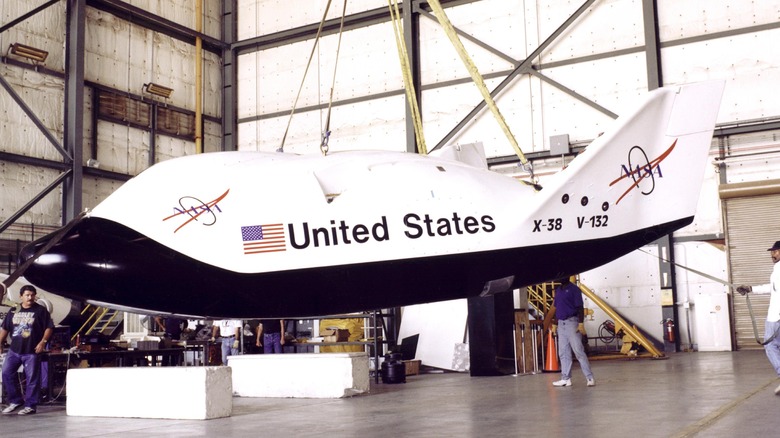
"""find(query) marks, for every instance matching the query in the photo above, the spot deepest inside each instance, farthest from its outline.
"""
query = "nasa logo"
(644, 173)
(197, 210)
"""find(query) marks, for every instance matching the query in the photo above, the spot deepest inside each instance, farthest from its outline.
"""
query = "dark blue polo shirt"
(568, 301)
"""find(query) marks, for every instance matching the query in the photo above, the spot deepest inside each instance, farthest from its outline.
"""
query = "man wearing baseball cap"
(771, 340)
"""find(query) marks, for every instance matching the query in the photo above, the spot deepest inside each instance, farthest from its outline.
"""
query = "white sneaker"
(562, 382)
(11, 407)
(592, 382)
(777, 391)
(27, 411)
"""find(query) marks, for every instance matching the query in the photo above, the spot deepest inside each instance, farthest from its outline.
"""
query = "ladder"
(540, 297)
(102, 320)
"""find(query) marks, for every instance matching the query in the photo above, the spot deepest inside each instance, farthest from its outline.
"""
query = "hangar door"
(753, 225)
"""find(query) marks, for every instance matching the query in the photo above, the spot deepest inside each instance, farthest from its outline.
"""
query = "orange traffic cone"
(551, 355)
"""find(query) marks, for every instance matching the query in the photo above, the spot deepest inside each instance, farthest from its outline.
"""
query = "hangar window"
(175, 123)
(119, 108)
(116, 107)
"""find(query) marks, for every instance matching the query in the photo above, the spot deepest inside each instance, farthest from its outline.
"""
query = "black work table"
(117, 358)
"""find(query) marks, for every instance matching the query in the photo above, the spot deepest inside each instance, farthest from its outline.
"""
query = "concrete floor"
(689, 394)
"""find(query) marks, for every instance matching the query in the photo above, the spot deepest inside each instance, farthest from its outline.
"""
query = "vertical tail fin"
(646, 171)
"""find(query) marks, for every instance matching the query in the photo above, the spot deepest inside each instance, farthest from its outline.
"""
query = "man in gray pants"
(569, 325)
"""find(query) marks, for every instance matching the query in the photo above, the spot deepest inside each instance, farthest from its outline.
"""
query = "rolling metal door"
(753, 225)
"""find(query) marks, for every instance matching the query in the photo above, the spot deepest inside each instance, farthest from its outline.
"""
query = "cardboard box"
(335, 335)
(412, 367)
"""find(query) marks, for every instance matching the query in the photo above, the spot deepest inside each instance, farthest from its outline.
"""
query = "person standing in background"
(230, 331)
(270, 335)
(31, 328)
(570, 326)
(772, 325)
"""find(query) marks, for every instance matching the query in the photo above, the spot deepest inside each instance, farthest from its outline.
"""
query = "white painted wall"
(631, 285)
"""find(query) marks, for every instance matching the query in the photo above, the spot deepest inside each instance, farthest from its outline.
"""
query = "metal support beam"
(411, 27)
(74, 107)
(153, 136)
(572, 93)
(330, 27)
(53, 185)
(524, 67)
(669, 287)
(34, 118)
(229, 77)
(652, 44)
(93, 150)
(136, 15)
(666, 266)
(21, 18)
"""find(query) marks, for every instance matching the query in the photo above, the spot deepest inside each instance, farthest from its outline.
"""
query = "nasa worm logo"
(193, 209)
(641, 170)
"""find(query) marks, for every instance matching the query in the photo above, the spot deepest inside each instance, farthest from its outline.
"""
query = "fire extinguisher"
(669, 329)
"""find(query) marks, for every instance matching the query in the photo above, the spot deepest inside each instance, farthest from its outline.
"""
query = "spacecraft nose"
(45, 261)
(65, 262)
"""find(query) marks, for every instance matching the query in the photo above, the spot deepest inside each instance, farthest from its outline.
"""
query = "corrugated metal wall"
(753, 225)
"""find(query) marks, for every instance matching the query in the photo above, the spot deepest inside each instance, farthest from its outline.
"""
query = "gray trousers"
(569, 339)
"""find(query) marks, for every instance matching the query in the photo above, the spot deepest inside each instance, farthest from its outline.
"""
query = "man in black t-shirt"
(270, 335)
(31, 328)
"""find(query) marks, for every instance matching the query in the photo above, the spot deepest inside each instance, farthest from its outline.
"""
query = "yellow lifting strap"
(411, 95)
(438, 11)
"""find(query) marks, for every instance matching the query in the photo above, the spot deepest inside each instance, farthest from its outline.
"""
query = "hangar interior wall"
(120, 56)
(601, 57)
(592, 71)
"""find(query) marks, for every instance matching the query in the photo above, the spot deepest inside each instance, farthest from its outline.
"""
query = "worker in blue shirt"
(570, 327)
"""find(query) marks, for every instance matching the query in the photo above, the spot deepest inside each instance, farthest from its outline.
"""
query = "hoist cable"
(326, 131)
(306, 71)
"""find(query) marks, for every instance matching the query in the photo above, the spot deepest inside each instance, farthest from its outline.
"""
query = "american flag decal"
(263, 238)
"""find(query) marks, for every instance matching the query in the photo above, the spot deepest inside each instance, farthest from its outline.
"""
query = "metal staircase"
(99, 320)
(540, 298)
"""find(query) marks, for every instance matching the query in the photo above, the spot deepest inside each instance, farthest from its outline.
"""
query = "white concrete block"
(303, 375)
(191, 393)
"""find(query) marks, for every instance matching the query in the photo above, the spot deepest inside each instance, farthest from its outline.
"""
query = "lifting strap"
(305, 72)
(326, 131)
(725, 283)
(476, 77)
(406, 71)
(753, 320)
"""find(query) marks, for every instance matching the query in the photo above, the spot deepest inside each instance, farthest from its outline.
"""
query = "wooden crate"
(412, 367)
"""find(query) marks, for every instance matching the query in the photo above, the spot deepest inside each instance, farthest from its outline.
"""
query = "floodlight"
(28, 52)
(158, 90)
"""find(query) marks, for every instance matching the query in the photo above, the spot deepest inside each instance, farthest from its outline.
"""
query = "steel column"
(229, 78)
(74, 107)
(652, 44)
(411, 24)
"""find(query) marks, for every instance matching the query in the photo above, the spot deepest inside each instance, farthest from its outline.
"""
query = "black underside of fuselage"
(103, 261)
